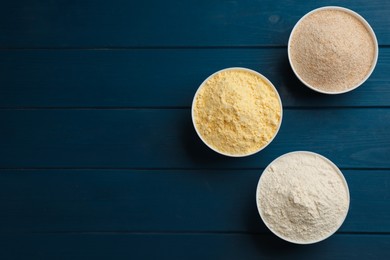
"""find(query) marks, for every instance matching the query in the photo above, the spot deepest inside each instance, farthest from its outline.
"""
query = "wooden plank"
(158, 78)
(188, 246)
(163, 200)
(150, 138)
(119, 23)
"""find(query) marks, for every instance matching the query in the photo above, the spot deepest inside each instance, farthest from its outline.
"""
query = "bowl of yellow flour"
(237, 112)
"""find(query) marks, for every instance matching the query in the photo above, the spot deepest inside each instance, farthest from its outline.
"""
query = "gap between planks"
(175, 233)
(182, 108)
(119, 48)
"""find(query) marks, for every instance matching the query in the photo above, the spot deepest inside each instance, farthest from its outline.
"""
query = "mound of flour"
(302, 197)
(332, 50)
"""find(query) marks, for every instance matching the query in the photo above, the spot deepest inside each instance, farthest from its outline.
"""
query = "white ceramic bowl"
(266, 81)
(337, 170)
(369, 29)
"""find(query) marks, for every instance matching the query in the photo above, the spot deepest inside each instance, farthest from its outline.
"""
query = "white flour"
(302, 197)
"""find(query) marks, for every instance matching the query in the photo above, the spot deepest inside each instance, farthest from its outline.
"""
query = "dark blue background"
(98, 155)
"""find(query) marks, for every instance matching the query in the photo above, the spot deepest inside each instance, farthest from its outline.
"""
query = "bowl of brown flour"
(332, 50)
(237, 112)
(302, 197)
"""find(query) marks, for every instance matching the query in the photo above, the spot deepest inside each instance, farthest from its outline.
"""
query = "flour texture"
(302, 197)
(332, 50)
(236, 112)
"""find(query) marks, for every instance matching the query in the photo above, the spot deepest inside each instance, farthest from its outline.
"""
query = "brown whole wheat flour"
(302, 197)
(331, 50)
(236, 112)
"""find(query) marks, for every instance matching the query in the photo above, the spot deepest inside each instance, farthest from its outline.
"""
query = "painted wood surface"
(163, 201)
(165, 138)
(158, 78)
(174, 23)
(98, 155)
(189, 246)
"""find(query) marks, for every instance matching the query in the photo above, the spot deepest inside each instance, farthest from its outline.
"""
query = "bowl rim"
(338, 171)
(266, 80)
(370, 31)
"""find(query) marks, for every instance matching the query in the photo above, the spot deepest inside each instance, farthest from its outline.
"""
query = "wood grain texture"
(98, 155)
(188, 246)
(120, 23)
(163, 201)
(149, 138)
(158, 78)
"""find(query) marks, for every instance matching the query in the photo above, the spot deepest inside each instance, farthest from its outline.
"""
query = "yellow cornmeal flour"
(236, 112)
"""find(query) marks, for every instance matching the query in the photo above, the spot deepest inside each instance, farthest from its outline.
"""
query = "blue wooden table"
(98, 155)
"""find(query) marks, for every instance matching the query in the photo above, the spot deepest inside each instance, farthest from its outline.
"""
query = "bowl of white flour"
(332, 50)
(302, 197)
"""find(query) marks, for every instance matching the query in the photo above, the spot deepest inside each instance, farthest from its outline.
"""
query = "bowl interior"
(237, 69)
(369, 29)
(286, 238)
